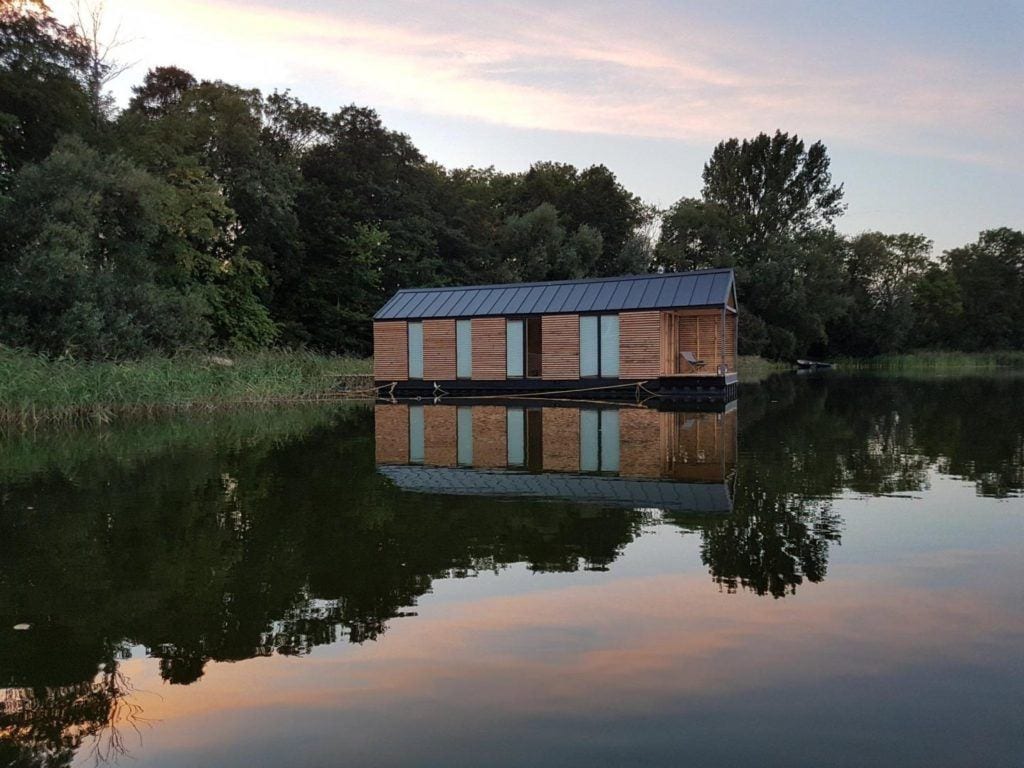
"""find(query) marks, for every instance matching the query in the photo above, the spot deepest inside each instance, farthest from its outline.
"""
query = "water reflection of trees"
(280, 539)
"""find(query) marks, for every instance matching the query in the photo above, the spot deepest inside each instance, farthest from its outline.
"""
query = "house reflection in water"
(618, 456)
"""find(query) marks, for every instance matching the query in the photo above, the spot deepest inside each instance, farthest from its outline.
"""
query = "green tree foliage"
(42, 93)
(882, 274)
(990, 275)
(91, 262)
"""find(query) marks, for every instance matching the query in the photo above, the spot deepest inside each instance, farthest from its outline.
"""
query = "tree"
(773, 188)
(42, 93)
(882, 273)
(990, 276)
(592, 197)
(104, 259)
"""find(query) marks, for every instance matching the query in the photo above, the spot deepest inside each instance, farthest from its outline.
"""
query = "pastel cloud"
(629, 71)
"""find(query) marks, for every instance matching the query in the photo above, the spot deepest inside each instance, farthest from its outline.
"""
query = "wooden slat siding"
(490, 444)
(561, 430)
(560, 347)
(390, 351)
(488, 347)
(391, 433)
(711, 341)
(730, 341)
(438, 350)
(640, 444)
(440, 435)
(639, 345)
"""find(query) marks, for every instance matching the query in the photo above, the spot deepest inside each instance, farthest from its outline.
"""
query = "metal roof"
(584, 489)
(706, 288)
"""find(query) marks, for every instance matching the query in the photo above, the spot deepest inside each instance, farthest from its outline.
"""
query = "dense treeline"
(206, 215)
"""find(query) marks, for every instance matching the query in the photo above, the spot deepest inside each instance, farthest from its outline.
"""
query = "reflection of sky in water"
(909, 648)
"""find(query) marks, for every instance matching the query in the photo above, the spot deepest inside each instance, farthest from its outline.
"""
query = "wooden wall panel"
(489, 348)
(390, 351)
(640, 443)
(391, 433)
(490, 443)
(639, 345)
(438, 350)
(560, 344)
(561, 430)
(731, 322)
(440, 427)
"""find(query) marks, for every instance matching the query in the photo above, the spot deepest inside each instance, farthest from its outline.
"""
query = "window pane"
(415, 350)
(609, 441)
(610, 346)
(464, 349)
(416, 434)
(588, 345)
(514, 348)
(589, 440)
(464, 433)
(515, 418)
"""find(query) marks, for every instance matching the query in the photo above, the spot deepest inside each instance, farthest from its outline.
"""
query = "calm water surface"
(830, 574)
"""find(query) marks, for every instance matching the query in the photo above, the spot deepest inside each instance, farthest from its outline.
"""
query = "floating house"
(617, 457)
(673, 333)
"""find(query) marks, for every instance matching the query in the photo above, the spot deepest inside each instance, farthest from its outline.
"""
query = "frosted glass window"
(609, 441)
(515, 419)
(610, 346)
(464, 435)
(590, 440)
(588, 345)
(464, 349)
(415, 434)
(415, 350)
(514, 348)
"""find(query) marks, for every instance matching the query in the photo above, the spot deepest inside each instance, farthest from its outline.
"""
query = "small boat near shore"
(812, 364)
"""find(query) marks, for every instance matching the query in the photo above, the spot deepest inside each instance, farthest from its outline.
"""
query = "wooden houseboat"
(600, 454)
(675, 334)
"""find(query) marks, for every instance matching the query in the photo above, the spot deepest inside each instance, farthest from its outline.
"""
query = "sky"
(921, 104)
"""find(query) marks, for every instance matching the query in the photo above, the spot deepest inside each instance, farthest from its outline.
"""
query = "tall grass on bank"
(754, 368)
(937, 361)
(34, 389)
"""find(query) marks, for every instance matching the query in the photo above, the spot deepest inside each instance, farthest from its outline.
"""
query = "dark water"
(830, 574)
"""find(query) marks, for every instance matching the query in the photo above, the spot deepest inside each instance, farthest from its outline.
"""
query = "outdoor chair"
(692, 360)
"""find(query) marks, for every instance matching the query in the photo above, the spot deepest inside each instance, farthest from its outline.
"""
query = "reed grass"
(754, 368)
(937, 361)
(36, 389)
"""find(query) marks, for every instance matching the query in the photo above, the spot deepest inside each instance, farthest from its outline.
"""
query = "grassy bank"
(753, 368)
(35, 390)
(937, 361)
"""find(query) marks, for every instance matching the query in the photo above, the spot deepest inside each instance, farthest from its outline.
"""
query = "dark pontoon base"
(688, 389)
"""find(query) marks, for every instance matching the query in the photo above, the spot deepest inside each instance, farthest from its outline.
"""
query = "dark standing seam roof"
(707, 288)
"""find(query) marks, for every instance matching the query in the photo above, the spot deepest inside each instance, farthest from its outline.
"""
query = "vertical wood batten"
(439, 350)
(390, 351)
(488, 347)
(639, 344)
(560, 347)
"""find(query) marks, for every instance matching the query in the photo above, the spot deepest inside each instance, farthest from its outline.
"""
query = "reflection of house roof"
(590, 489)
(673, 290)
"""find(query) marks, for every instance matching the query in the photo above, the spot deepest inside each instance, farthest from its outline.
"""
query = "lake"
(828, 572)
